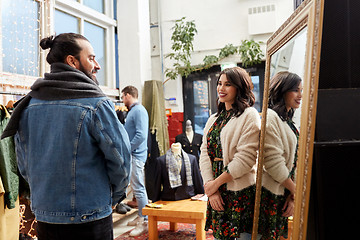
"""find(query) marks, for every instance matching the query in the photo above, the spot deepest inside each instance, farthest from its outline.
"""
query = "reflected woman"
(280, 155)
(228, 157)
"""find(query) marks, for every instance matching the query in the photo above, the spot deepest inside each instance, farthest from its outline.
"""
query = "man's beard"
(89, 74)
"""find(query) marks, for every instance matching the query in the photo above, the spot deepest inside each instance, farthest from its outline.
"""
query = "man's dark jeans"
(97, 230)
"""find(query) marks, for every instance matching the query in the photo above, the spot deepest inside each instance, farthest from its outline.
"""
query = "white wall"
(134, 43)
(218, 23)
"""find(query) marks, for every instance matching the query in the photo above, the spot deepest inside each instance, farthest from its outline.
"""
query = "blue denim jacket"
(75, 155)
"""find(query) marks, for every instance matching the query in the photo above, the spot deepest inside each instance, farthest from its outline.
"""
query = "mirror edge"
(309, 13)
(308, 119)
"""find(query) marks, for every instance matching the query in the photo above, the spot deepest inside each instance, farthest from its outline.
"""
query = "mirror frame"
(308, 14)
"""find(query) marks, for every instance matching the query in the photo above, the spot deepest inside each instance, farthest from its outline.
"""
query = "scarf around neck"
(174, 176)
(63, 82)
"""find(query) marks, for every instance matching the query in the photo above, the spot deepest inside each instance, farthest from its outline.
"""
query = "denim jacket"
(75, 155)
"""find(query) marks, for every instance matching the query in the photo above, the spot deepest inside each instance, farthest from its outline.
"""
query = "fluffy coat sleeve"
(275, 146)
(241, 140)
(204, 161)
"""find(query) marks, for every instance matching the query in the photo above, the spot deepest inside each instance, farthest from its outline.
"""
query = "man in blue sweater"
(137, 127)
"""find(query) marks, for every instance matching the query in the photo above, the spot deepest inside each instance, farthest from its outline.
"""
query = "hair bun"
(46, 43)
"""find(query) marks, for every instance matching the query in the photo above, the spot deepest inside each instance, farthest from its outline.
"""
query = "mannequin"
(176, 149)
(189, 131)
(190, 140)
(177, 175)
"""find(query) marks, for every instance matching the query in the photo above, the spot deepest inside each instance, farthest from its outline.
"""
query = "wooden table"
(182, 211)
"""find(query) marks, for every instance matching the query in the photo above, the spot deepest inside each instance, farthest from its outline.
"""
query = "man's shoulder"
(180, 136)
(138, 110)
(139, 107)
(93, 102)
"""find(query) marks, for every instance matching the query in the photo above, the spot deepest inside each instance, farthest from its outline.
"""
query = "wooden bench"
(182, 211)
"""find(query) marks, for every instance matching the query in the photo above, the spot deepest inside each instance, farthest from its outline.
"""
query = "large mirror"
(287, 126)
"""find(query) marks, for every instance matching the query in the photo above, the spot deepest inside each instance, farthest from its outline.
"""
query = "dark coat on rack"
(166, 193)
(193, 147)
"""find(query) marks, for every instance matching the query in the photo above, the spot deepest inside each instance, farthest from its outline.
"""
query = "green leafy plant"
(182, 45)
(228, 50)
(250, 52)
(209, 61)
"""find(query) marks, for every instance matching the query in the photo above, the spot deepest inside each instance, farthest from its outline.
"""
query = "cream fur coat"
(240, 142)
(279, 153)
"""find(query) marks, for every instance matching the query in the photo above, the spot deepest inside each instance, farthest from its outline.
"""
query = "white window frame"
(104, 20)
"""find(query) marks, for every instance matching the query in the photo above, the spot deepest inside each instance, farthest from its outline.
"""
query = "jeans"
(101, 229)
(137, 181)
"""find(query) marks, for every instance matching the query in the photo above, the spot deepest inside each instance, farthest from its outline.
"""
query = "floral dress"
(272, 225)
(237, 216)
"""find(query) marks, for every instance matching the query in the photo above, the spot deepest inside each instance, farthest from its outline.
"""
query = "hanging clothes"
(9, 218)
(8, 165)
(153, 101)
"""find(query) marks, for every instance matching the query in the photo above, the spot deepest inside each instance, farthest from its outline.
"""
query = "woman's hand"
(289, 206)
(289, 185)
(210, 188)
(216, 201)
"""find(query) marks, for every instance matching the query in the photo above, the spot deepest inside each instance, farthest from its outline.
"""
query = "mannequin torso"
(176, 151)
(189, 134)
(190, 140)
(189, 131)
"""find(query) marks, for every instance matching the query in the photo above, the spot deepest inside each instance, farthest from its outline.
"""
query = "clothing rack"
(13, 93)
(23, 94)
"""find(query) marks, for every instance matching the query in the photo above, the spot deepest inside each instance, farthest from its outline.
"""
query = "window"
(97, 5)
(256, 83)
(22, 22)
(201, 105)
(65, 23)
(93, 19)
(20, 37)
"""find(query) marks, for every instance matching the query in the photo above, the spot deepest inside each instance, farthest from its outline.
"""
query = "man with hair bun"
(71, 148)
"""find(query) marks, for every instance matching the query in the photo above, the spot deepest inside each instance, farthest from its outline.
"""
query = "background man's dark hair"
(61, 46)
(131, 90)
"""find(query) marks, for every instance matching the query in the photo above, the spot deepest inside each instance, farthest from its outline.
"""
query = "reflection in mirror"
(291, 57)
(281, 138)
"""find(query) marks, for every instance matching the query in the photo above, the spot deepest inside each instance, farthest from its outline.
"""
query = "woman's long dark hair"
(241, 80)
(280, 84)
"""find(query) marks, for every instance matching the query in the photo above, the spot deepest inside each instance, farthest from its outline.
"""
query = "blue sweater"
(137, 127)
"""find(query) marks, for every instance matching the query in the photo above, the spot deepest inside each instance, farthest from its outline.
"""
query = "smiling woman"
(228, 156)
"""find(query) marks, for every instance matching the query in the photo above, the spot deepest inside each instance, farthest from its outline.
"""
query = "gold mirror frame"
(309, 14)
